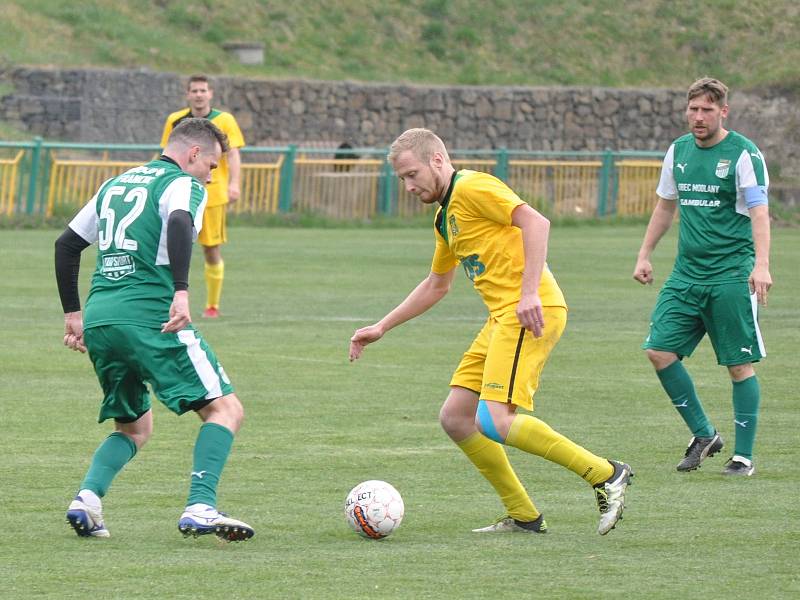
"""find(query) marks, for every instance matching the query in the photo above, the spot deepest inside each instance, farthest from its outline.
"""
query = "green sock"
(115, 452)
(680, 389)
(746, 398)
(210, 454)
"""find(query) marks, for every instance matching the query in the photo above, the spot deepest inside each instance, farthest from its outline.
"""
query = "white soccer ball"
(374, 509)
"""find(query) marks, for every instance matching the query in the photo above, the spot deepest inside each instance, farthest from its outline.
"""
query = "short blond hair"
(423, 143)
(716, 91)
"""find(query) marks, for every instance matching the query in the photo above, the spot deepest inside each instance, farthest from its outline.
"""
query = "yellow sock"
(214, 276)
(537, 437)
(491, 460)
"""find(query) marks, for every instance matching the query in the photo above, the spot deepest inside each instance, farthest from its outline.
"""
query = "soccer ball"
(374, 509)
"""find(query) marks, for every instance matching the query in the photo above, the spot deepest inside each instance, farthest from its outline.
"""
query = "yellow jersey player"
(501, 242)
(224, 187)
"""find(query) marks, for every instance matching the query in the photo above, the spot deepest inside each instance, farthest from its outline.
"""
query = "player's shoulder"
(467, 178)
(221, 116)
(687, 139)
(178, 115)
(740, 142)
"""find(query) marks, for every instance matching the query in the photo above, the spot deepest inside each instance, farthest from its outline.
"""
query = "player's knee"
(226, 411)
(455, 425)
(138, 431)
(235, 410)
(660, 359)
(741, 372)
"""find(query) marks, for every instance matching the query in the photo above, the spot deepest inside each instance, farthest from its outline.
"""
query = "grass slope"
(530, 42)
(317, 425)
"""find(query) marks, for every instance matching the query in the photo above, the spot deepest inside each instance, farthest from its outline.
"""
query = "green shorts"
(181, 368)
(728, 312)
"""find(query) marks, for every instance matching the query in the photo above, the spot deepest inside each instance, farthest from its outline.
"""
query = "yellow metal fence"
(364, 188)
(9, 181)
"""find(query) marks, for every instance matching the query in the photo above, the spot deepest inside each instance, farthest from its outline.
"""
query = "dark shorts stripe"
(516, 360)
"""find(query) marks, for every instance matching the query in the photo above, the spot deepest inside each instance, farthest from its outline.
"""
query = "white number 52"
(107, 233)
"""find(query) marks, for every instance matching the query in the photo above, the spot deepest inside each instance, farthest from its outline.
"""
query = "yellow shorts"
(214, 231)
(504, 362)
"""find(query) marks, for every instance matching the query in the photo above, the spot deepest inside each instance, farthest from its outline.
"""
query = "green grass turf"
(317, 425)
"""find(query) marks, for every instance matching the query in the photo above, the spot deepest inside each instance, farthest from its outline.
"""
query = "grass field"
(316, 425)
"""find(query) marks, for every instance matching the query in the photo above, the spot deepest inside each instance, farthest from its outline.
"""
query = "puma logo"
(682, 167)
(684, 405)
(198, 474)
(747, 350)
(742, 424)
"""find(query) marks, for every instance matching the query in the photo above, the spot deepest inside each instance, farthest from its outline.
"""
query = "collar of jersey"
(441, 221)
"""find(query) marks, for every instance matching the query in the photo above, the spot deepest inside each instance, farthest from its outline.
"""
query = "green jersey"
(715, 187)
(127, 217)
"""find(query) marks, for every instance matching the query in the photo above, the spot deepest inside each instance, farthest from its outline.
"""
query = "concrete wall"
(130, 106)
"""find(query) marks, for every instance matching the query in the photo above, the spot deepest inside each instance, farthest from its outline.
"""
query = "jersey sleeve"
(667, 188)
(443, 259)
(85, 222)
(230, 127)
(486, 196)
(751, 169)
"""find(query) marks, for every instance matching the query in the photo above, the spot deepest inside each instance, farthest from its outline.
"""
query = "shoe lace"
(695, 443)
(601, 496)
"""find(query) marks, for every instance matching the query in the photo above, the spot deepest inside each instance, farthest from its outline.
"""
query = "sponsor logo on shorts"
(493, 386)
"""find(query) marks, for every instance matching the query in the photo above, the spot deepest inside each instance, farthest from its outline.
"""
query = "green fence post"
(36, 159)
(287, 180)
(605, 178)
(501, 170)
(387, 190)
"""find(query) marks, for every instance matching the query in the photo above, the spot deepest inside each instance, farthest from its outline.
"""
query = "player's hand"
(529, 313)
(179, 316)
(73, 331)
(643, 273)
(362, 337)
(233, 193)
(760, 282)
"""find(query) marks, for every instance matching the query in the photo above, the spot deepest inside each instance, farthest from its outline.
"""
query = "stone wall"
(130, 107)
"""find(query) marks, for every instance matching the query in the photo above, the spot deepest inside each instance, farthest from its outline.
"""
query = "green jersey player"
(718, 181)
(137, 327)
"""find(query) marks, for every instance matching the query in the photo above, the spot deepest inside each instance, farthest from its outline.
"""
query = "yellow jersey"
(473, 227)
(218, 188)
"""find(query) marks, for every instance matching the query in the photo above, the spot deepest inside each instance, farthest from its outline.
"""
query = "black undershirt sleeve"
(69, 246)
(179, 247)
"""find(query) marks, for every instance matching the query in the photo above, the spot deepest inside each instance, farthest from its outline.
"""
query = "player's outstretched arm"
(660, 222)
(432, 289)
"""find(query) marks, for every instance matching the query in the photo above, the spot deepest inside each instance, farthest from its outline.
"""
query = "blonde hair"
(423, 143)
(716, 91)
